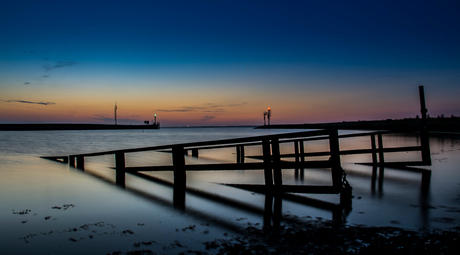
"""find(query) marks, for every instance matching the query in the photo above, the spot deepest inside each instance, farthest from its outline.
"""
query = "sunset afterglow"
(207, 63)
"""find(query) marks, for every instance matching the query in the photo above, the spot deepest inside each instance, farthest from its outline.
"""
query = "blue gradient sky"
(225, 62)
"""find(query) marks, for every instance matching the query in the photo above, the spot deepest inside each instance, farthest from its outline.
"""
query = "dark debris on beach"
(334, 238)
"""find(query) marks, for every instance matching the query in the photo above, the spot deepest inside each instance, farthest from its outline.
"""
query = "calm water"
(49, 208)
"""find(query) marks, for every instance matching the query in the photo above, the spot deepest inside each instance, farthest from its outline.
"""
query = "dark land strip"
(433, 124)
(37, 127)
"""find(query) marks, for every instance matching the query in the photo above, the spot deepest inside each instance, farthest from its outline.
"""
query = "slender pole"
(336, 168)
(424, 137)
(71, 161)
(381, 154)
(423, 109)
(120, 173)
(81, 162)
(374, 150)
(302, 160)
(179, 186)
(276, 163)
(267, 162)
(238, 154)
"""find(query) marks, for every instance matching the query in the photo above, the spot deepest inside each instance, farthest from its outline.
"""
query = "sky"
(212, 63)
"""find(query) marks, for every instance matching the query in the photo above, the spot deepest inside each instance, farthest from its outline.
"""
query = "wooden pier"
(272, 161)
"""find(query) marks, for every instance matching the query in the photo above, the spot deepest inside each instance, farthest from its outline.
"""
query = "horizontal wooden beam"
(310, 189)
(229, 166)
(62, 159)
(229, 142)
(346, 152)
(401, 165)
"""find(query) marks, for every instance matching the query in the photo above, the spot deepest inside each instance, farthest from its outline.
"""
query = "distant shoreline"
(433, 124)
(44, 127)
(451, 124)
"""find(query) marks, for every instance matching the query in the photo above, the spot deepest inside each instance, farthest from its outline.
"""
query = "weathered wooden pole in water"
(71, 161)
(119, 164)
(381, 154)
(297, 158)
(424, 137)
(179, 185)
(302, 159)
(277, 175)
(240, 154)
(267, 162)
(81, 162)
(336, 168)
(374, 150)
(195, 153)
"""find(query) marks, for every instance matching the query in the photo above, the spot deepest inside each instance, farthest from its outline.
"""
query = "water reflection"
(271, 212)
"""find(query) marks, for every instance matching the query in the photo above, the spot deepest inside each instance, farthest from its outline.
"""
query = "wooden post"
(302, 159)
(424, 136)
(278, 179)
(296, 156)
(242, 154)
(195, 153)
(374, 150)
(119, 172)
(302, 151)
(81, 162)
(336, 168)
(296, 151)
(178, 158)
(71, 161)
(267, 162)
(238, 154)
(381, 155)
(423, 109)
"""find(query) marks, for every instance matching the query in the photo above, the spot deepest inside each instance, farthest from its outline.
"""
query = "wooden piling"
(267, 162)
(71, 161)
(195, 153)
(296, 152)
(238, 154)
(179, 187)
(424, 136)
(81, 162)
(120, 173)
(277, 175)
(381, 154)
(336, 168)
(302, 159)
(374, 150)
